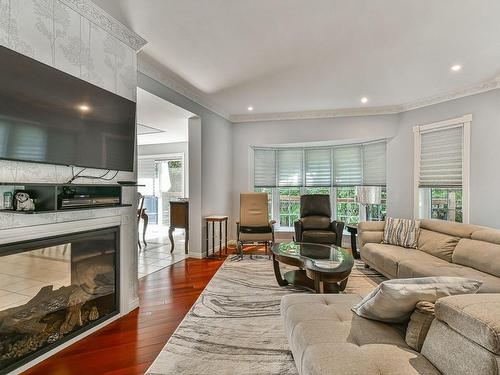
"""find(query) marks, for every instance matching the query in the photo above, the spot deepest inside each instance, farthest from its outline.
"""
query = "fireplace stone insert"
(53, 289)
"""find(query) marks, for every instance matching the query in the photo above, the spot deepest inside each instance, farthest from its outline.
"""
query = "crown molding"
(93, 13)
(481, 87)
(169, 79)
(149, 67)
(317, 114)
(484, 86)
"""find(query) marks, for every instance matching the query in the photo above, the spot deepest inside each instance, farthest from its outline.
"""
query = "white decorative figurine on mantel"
(24, 202)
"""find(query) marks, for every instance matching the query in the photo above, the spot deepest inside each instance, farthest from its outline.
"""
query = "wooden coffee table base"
(310, 280)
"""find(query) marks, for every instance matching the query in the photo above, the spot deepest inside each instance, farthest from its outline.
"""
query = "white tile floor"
(23, 275)
(156, 255)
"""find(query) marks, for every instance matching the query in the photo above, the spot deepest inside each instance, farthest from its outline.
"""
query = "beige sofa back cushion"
(437, 244)
(481, 255)
(370, 232)
(487, 235)
(450, 228)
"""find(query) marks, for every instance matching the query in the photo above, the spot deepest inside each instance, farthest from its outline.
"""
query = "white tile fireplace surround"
(64, 223)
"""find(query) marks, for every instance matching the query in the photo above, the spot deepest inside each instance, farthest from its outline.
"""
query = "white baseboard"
(133, 304)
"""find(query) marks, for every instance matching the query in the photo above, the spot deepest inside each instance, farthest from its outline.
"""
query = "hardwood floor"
(129, 345)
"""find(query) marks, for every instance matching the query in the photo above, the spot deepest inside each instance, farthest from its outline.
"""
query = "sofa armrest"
(370, 232)
(298, 230)
(338, 228)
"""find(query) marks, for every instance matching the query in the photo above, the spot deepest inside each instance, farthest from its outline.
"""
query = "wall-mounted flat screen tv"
(48, 116)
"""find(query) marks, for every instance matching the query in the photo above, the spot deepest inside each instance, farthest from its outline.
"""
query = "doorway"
(162, 172)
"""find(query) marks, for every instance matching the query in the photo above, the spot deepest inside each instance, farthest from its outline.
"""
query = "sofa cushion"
(453, 354)
(476, 317)
(385, 258)
(316, 222)
(394, 300)
(481, 255)
(419, 324)
(407, 269)
(487, 235)
(450, 228)
(326, 337)
(319, 236)
(401, 232)
(438, 244)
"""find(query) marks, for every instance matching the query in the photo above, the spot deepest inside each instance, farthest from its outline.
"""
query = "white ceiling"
(298, 55)
(159, 121)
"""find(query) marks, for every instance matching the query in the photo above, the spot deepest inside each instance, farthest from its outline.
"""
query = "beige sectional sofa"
(327, 338)
(444, 249)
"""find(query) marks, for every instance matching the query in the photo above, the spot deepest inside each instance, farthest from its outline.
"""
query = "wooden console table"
(217, 219)
(179, 218)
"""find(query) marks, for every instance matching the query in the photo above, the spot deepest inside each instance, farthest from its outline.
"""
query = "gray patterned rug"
(235, 327)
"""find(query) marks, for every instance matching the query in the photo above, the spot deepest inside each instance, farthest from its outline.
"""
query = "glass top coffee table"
(322, 268)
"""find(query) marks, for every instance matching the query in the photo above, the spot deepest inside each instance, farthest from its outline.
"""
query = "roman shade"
(290, 168)
(374, 164)
(264, 168)
(318, 167)
(347, 166)
(441, 155)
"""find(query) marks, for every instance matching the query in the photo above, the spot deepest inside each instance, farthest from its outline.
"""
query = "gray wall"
(485, 137)
(342, 129)
(216, 149)
(485, 158)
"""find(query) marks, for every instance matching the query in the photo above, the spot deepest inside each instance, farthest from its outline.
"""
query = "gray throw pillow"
(393, 301)
(401, 232)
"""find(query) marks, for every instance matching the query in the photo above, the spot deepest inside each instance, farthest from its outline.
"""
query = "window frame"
(464, 121)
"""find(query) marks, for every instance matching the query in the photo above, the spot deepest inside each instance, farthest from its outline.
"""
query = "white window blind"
(441, 155)
(290, 167)
(352, 165)
(146, 168)
(347, 166)
(374, 164)
(318, 167)
(264, 168)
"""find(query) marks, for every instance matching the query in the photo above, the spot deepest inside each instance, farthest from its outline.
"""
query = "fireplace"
(53, 289)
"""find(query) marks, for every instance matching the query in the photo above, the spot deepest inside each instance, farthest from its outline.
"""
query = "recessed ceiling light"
(364, 100)
(83, 108)
(456, 68)
(250, 108)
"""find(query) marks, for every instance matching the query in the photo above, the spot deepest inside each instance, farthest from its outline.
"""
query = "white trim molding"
(465, 122)
(93, 13)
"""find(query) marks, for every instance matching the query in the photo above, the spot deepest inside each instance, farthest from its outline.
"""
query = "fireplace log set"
(53, 314)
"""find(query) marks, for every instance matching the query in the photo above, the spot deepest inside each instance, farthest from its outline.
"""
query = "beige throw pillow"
(394, 300)
(419, 324)
(401, 232)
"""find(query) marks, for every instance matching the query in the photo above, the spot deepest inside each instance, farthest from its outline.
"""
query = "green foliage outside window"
(442, 202)
(347, 207)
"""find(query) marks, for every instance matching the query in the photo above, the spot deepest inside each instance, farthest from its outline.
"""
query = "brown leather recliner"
(315, 224)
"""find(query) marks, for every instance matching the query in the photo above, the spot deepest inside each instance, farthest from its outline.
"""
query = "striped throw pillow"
(401, 232)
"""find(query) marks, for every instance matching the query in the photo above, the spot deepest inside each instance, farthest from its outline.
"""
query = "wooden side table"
(179, 218)
(353, 230)
(217, 219)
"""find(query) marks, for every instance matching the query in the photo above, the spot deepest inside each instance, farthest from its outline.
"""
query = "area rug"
(235, 326)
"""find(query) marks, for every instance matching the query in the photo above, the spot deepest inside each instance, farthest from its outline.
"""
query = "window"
(347, 207)
(287, 173)
(289, 206)
(442, 170)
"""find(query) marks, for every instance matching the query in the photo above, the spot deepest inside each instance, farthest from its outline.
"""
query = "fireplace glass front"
(53, 289)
